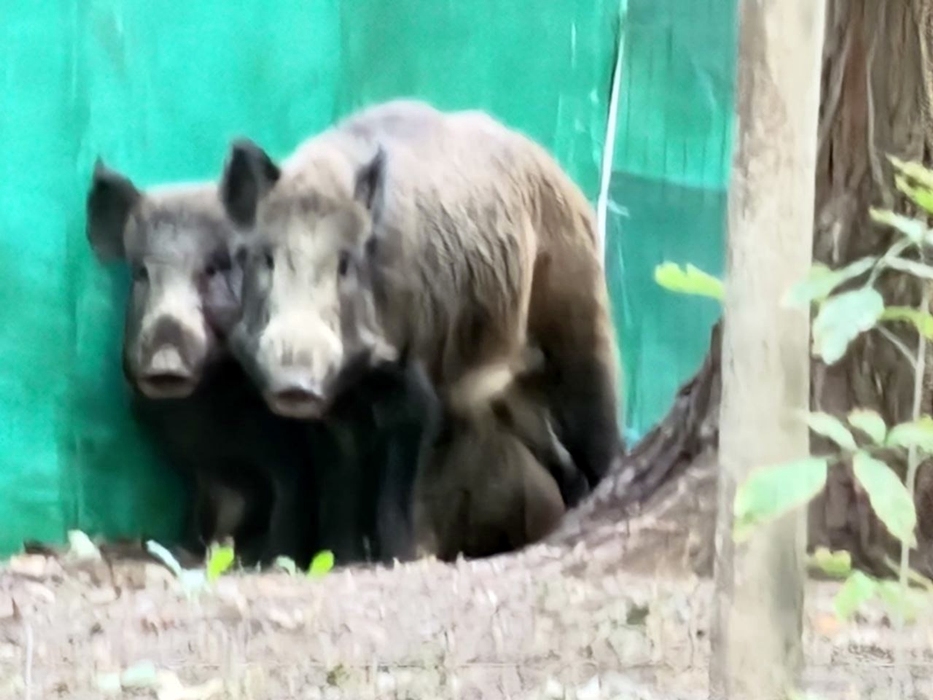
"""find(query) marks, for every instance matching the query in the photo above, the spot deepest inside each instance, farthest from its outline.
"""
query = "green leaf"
(911, 267)
(322, 563)
(904, 603)
(843, 318)
(689, 280)
(836, 564)
(922, 320)
(870, 423)
(81, 547)
(287, 564)
(770, 492)
(921, 196)
(888, 496)
(913, 170)
(140, 676)
(916, 433)
(822, 280)
(832, 428)
(219, 559)
(108, 683)
(914, 229)
(856, 591)
(192, 581)
(165, 556)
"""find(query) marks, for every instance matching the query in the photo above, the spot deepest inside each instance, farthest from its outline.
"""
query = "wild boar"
(484, 490)
(204, 415)
(460, 210)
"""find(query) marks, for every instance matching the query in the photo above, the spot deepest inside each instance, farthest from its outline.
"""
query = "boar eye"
(343, 263)
(220, 264)
(267, 260)
(140, 273)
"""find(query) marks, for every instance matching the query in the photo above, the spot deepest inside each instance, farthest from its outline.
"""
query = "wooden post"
(766, 363)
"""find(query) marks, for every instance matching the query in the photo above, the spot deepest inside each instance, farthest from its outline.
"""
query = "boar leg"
(200, 518)
(409, 419)
(571, 325)
(251, 533)
(291, 521)
(339, 468)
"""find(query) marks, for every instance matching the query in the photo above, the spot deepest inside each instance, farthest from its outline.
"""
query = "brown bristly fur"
(484, 491)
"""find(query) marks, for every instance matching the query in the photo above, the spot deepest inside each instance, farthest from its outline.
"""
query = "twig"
(914, 576)
(895, 251)
(913, 463)
(899, 344)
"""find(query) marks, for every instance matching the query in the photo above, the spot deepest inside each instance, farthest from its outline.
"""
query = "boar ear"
(248, 175)
(369, 188)
(109, 203)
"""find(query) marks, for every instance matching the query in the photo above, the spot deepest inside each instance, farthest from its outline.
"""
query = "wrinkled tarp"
(159, 89)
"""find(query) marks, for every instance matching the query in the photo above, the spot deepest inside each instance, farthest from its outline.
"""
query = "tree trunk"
(757, 623)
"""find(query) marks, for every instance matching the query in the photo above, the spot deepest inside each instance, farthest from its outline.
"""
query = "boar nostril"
(297, 396)
(296, 399)
(167, 360)
(166, 376)
(166, 386)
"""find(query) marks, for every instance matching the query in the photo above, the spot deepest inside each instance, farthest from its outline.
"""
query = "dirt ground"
(546, 623)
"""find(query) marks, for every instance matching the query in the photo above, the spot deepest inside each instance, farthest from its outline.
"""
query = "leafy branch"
(847, 304)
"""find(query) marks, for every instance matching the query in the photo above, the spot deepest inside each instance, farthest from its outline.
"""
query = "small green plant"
(192, 581)
(287, 564)
(321, 565)
(840, 317)
(219, 559)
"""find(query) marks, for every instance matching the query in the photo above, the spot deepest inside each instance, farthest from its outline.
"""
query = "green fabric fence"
(158, 89)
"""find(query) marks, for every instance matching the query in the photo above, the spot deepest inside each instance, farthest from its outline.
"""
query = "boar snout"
(166, 375)
(293, 360)
(293, 394)
(172, 361)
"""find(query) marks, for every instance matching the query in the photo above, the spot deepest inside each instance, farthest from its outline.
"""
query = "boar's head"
(307, 250)
(185, 292)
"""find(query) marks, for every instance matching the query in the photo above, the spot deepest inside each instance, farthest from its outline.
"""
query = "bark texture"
(766, 366)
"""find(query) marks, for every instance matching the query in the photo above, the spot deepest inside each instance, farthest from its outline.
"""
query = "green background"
(159, 88)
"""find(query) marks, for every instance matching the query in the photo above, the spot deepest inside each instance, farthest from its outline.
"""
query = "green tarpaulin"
(158, 89)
